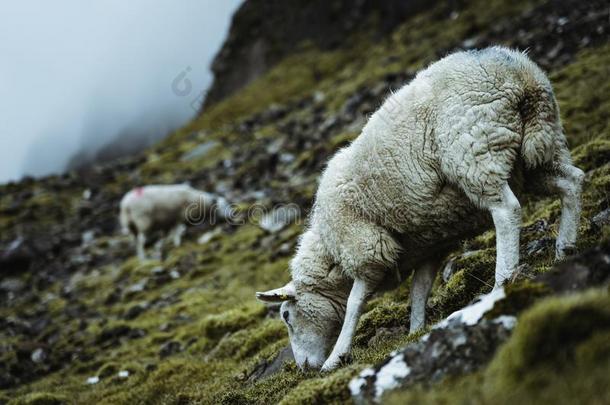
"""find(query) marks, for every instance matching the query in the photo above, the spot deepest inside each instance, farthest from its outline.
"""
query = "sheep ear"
(285, 293)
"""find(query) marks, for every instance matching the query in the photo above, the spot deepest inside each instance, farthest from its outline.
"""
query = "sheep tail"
(541, 124)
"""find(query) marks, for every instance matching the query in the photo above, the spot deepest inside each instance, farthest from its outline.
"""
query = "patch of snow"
(388, 376)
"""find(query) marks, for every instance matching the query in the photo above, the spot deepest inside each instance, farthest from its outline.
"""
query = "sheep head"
(312, 320)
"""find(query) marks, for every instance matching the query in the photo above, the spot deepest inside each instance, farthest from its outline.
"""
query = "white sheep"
(167, 207)
(429, 167)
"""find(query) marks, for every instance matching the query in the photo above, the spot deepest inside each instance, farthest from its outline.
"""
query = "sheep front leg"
(422, 284)
(507, 220)
(355, 304)
(569, 184)
(140, 243)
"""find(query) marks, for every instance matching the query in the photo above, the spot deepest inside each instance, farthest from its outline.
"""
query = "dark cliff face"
(265, 31)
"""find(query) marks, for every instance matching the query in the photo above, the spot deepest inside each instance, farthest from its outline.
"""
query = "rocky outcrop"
(467, 339)
(263, 32)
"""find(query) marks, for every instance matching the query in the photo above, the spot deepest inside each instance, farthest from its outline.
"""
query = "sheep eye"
(286, 316)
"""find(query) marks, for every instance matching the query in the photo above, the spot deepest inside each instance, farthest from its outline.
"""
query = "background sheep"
(167, 207)
(430, 165)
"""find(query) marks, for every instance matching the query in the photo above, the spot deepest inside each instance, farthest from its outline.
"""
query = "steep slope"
(75, 304)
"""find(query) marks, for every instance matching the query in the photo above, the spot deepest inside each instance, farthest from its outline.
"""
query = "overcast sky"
(77, 73)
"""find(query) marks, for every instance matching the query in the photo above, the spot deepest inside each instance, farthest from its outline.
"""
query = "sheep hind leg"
(567, 181)
(506, 216)
(177, 234)
(423, 278)
(355, 304)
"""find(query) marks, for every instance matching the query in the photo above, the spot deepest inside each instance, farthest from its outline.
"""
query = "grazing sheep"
(430, 166)
(167, 207)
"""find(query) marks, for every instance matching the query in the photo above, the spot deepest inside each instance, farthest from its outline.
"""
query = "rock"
(38, 356)
(466, 340)
(17, 256)
(123, 374)
(279, 218)
(382, 334)
(93, 380)
(451, 265)
(136, 333)
(267, 368)
(137, 287)
(135, 310)
(470, 43)
(451, 348)
(199, 151)
(474, 312)
(13, 285)
(113, 335)
(589, 269)
(208, 236)
(539, 246)
(601, 218)
(87, 237)
(170, 348)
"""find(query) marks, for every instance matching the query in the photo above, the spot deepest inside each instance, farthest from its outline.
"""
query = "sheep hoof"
(335, 362)
(564, 251)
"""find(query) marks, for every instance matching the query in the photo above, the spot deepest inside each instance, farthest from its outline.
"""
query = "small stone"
(208, 236)
(287, 157)
(93, 380)
(199, 151)
(88, 237)
(123, 374)
(538, 246)
(38, 356)
(135, 311)
(174, 274)
(138, 287)
(169, 348)
(470, 43)
(12, 285)
(279, 218)
(601, 218)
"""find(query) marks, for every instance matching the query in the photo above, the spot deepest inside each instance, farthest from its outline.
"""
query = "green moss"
(249, 341)
(216, 326)
(387, 314)
(41, 398)
(547, 337)
(582, 89)
(474, 275)
(519, 296)
(592, 154)
(328, 390)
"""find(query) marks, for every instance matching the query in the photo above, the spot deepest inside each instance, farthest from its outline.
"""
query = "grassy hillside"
(187, 328)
